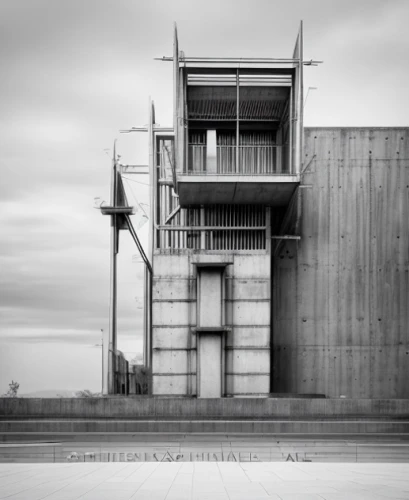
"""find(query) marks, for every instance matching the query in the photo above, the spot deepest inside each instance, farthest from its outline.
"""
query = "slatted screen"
(228, 227)
(258, 153)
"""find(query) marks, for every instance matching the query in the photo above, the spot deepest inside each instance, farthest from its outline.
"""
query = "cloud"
(37, 335)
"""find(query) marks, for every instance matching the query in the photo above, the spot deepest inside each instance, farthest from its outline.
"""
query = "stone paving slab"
(204, 481)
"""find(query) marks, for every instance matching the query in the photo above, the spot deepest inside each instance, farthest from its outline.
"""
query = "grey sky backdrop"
(76, 72)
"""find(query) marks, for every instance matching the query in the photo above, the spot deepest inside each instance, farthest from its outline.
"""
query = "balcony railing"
(197, 158)
(253, 160)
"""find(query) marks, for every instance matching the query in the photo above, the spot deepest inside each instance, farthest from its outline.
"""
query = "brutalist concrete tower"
(222, 182)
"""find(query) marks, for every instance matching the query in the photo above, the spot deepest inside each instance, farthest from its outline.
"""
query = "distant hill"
(50, 393)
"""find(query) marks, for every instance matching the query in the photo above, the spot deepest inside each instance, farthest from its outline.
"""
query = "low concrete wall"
(54, 428)
(254, 409)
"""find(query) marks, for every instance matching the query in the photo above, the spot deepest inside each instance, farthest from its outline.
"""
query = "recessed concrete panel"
(178, 337)
(253, 313)
(252, 266)
(243, 361)
(251, 336)
(173, 313)
(168, 266)
(245, 385)
(176, 384)
(174, 289)
(169, 361)
(249, 288)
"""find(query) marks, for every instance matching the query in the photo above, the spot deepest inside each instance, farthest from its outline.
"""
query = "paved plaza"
(202, 481)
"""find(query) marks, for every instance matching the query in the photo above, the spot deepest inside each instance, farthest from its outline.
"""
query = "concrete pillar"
(210, 365)
(210, 297)
(211, 152)
(210, 345)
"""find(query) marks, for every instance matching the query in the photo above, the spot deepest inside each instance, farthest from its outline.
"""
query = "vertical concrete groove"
(371, 295)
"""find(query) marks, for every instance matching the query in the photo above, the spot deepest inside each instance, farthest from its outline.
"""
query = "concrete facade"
(341, 294)
(279, 253)
(339, 319)
(221, 180)
(246, 330)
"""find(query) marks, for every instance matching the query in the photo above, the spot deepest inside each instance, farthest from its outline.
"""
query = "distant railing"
(253, 160)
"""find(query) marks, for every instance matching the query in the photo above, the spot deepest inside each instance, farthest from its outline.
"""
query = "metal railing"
(196, 158)
(214, 227)
(253, 160)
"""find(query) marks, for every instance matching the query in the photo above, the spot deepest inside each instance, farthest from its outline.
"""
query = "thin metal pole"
(237, 166)
(153, 234)
(113, 295)
(145, 317)
(102, 362)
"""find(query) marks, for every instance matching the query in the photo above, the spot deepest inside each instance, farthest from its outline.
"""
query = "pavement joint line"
(55, 491)
(26, 489)
(177, 472)
(137, 468)
(91, 472)
(15, 482)
(140, 486)
(224, 485)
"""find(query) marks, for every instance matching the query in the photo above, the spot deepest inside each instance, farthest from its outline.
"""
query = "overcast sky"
(74, 73)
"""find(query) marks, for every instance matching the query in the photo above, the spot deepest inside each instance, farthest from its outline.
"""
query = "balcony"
(238, 135)
(246, 174)
(253, 160)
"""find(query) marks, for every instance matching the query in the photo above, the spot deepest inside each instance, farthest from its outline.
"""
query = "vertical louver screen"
(226, 227)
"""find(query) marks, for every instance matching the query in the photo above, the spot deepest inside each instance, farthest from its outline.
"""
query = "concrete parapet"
(228, 409)
(279, 427)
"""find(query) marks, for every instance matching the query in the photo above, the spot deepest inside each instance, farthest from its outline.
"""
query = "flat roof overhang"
(217, 189)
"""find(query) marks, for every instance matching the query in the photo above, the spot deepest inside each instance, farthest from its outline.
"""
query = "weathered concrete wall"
(151, 408)
(191, 415)
(341, 294)
(246, 350)
(301, 426)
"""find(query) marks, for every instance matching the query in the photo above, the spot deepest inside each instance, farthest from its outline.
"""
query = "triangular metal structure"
(120, 212)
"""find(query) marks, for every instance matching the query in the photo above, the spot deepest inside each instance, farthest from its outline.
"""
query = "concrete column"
(211, 152)
(210, 298)
(209, 375)
(210, 365)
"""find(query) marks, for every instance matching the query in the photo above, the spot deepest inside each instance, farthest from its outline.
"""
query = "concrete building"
(279, 254)
(222, 180)
(341, 295)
